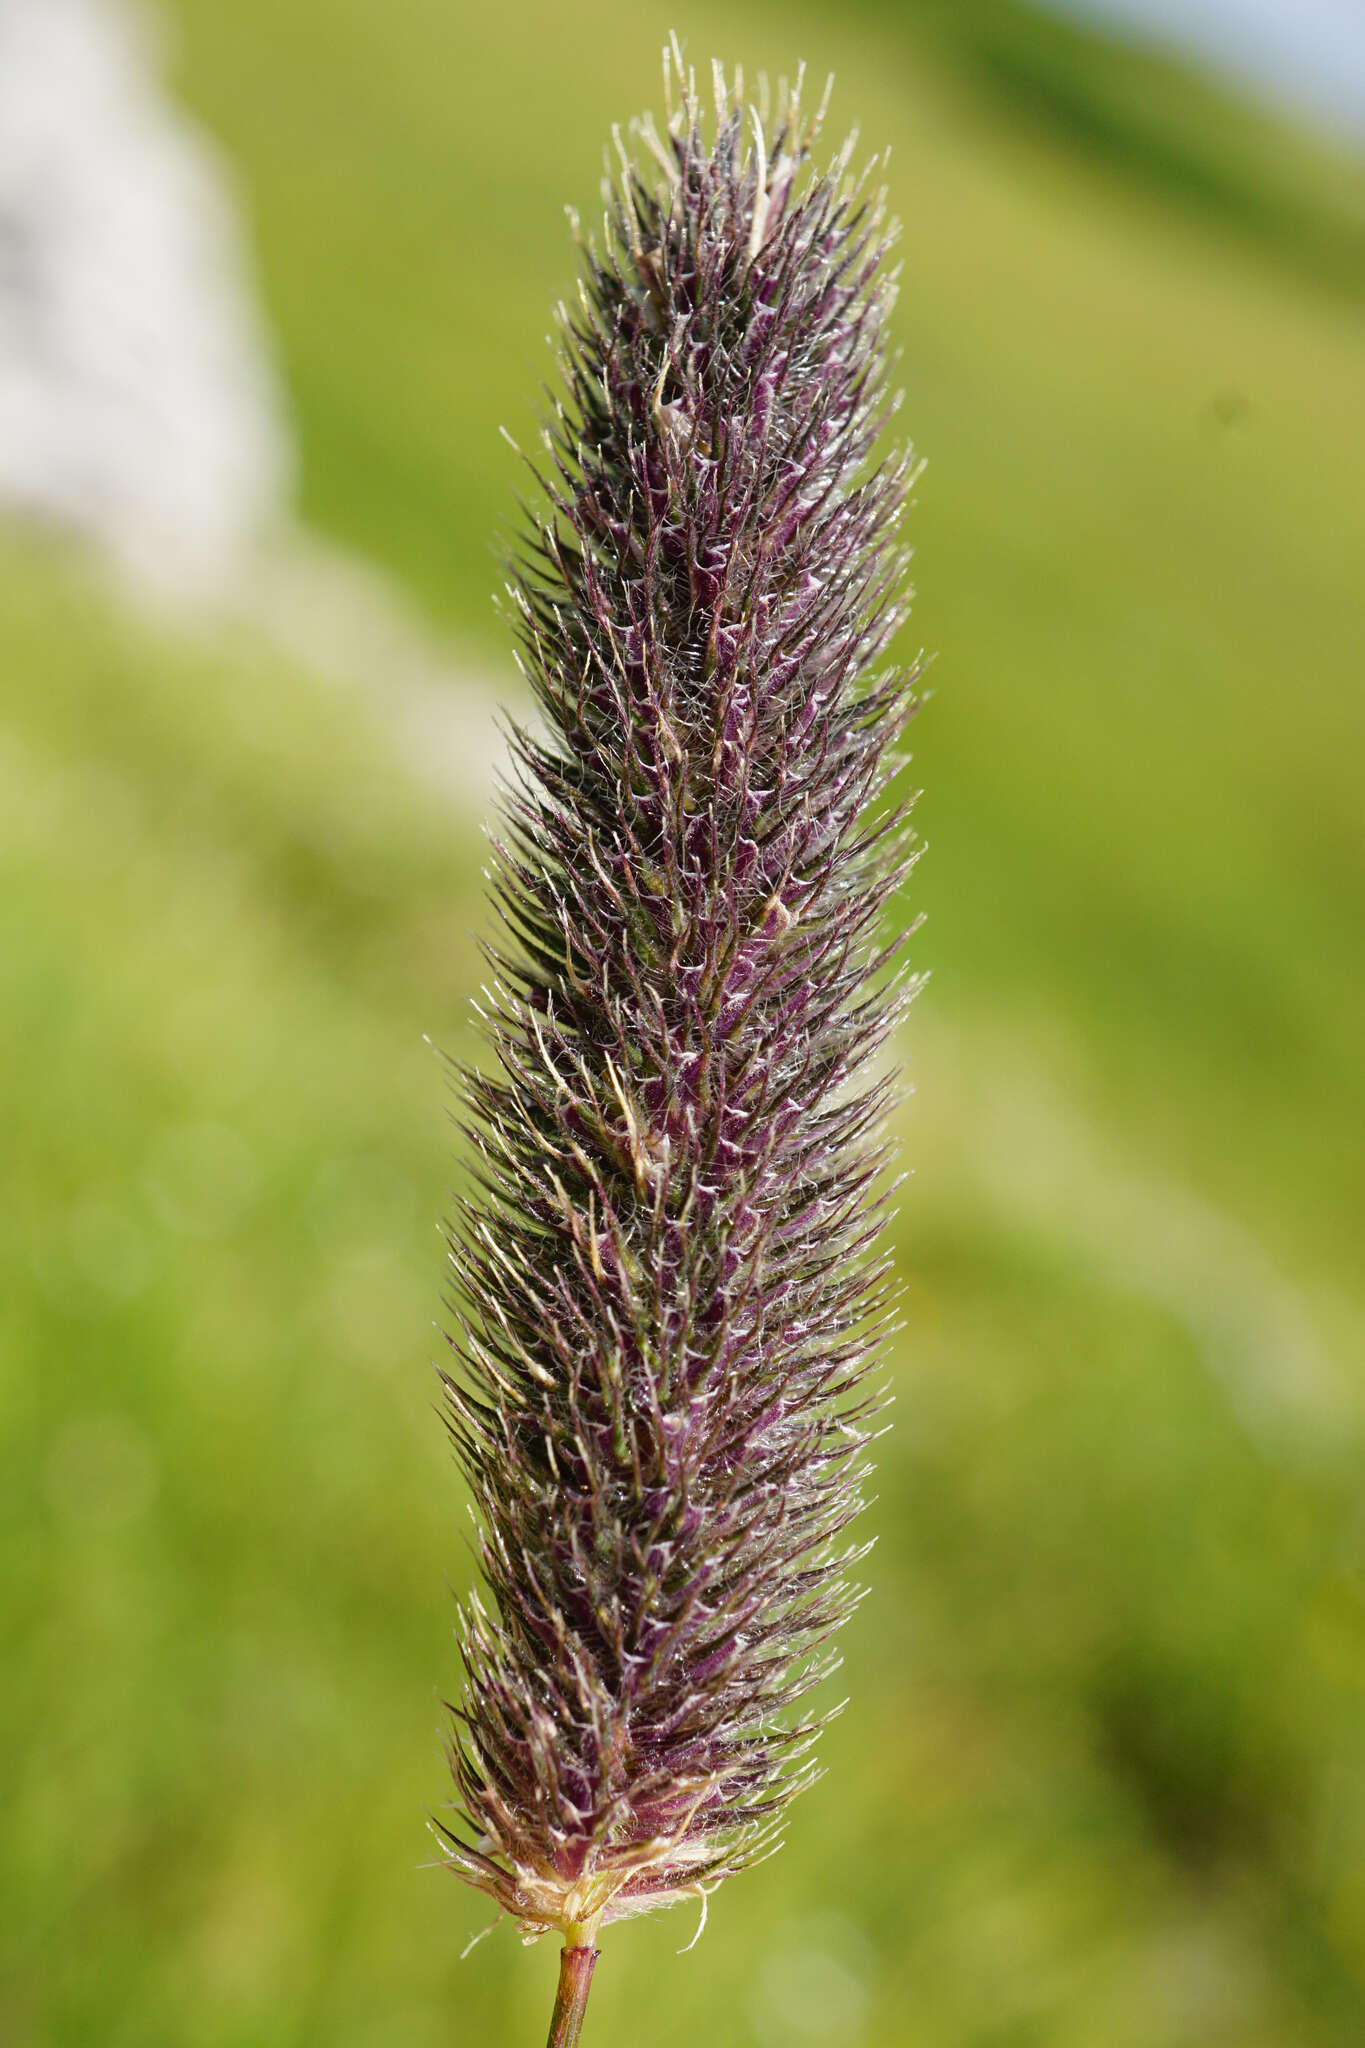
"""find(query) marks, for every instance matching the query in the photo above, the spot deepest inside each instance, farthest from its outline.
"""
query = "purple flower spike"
(672, 1293)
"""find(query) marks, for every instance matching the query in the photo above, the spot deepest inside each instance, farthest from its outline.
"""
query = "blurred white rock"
(139, 407)
(140, 410)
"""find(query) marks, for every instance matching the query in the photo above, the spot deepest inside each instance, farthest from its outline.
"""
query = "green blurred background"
(1102, 1777)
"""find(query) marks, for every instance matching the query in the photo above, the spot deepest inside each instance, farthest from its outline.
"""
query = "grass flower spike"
(670, 1291)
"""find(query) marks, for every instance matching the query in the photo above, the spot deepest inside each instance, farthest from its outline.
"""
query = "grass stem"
(571, 2000)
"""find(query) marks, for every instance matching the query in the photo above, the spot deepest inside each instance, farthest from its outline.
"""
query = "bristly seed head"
(670, 1289)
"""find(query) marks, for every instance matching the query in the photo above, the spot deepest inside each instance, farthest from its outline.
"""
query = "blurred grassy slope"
(226, 920)
(1131, 111)
(1104, 1779)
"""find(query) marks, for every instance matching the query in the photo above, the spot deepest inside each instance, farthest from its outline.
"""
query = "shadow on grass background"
(1102, 1778)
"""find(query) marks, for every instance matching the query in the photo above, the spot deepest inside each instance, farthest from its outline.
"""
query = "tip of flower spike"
(782, 113)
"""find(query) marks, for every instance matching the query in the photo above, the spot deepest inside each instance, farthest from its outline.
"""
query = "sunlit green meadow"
(1101, 1778)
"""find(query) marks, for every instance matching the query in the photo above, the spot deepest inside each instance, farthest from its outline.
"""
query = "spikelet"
(670, 1293)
